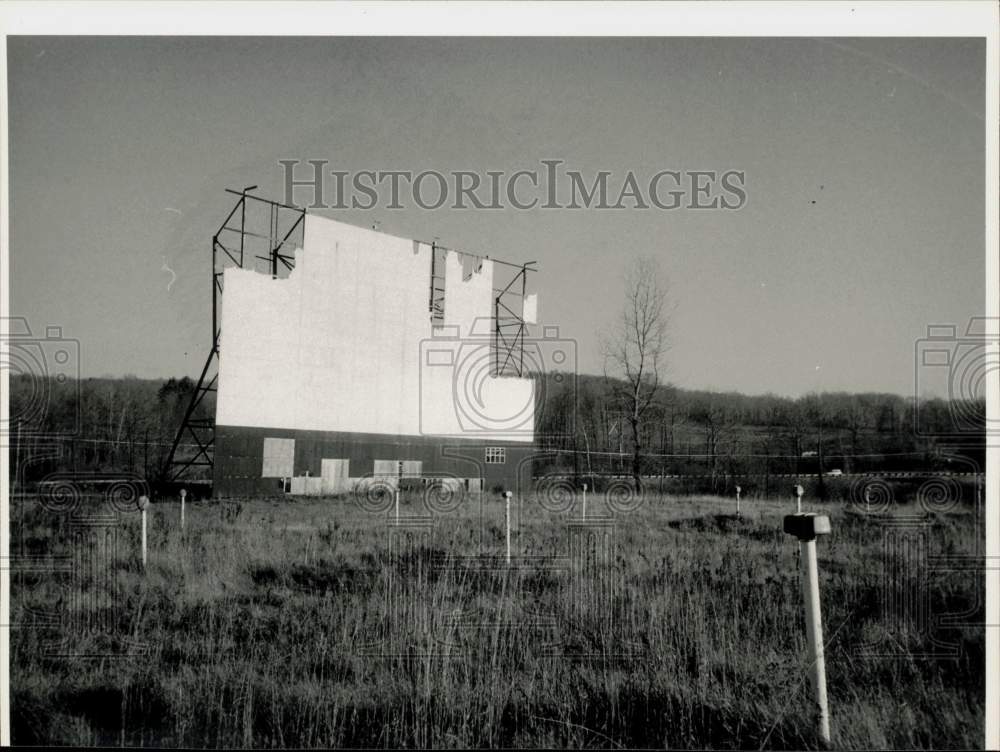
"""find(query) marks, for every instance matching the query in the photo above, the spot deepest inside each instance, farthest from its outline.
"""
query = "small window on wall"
(496, 455)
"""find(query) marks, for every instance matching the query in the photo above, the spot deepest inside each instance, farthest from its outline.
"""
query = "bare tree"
(719, 421)
(635, 350)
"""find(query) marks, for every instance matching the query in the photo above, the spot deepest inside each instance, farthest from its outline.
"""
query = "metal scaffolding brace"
(256, 230)
(509, 325)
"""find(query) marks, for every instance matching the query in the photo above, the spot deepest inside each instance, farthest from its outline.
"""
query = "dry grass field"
(320, 623)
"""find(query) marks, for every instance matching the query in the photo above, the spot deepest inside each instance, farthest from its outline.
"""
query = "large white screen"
(342, 343)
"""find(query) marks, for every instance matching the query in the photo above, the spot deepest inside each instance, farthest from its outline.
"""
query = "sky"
(863, 162)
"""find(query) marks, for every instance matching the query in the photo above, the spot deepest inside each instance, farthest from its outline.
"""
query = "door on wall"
(334, 473)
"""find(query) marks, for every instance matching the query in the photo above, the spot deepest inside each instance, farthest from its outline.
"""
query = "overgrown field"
(320, 623)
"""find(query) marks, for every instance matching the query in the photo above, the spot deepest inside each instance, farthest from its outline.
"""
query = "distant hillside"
(697, 431)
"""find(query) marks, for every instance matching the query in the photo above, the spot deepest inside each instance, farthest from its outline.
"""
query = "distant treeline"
(97, 425)
(694, 432)
(128, 424)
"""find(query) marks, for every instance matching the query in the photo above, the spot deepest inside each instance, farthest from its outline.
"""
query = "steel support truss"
(256, 230)
(509, 326)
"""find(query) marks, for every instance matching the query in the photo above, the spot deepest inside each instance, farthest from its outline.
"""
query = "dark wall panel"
(239, 457)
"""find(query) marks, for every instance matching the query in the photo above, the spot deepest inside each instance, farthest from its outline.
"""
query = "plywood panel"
(279, 458)
(388, 469)
(412, 468)
(335, 474)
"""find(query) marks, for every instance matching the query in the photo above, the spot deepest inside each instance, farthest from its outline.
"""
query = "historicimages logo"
(549, 185)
